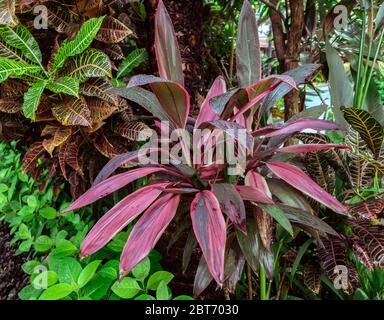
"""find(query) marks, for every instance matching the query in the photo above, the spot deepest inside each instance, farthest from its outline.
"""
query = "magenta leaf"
(299, 180)
(296, 126)
(110, 185)
(248, 55)
(173, 98)
(166, 47)
(253, 194)
(299, 75)
(231, 204)
(311, 147)
(147, 231)
(210, 230)
(119, 217)
(256, 180)
(206, 113)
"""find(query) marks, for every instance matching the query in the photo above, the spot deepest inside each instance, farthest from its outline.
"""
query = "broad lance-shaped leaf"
(99, 88)
(367, 126)
(166, 47)
(248, 47)
(7, 13)
(173, 98)
(297, 148)
(90, 64)
(210, 230)
(65, 85)
(82, 41)
(296, 126)
(299, 75)
(231, 204)
(206, 113)
(253, 249)
(255, 180)
(110, 185)
(119, 217)
(144, 98)
(202, 277)
(254, 194)
(32, 155)
(340, 86)
(147, 231)
(14, 68)
(132, 61)
(58, 135)
(135, 131)
(112, 31)
(6, 51)
(73, 112)
(299, 180)
(20, 38)
(32, 99)
(100, 110)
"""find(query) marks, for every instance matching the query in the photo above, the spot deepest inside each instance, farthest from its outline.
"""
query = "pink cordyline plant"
(224, 212)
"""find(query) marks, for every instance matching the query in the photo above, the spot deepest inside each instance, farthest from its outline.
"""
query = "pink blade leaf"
(311, 147)
(253, 194)
(206, 113)
(231, 204)
(119, 217)
(296, 126)
(299, 180)
(210, 230)
(109, 186)
(147, 231)
(256, 180)
(166, 47)
(174, 99)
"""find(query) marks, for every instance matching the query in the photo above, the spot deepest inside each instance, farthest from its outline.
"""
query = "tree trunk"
(187, 18)
(288, 46)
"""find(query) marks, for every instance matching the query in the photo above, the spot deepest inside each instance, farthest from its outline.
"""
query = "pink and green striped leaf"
(119, 217)
(210, 230)
(147, 231)
(299, 180)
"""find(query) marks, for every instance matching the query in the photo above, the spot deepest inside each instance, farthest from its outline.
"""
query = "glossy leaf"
(119, 217)
(32, 99)
(132, 61)
(248, 54)
(90, 64)
(210, 230)
(111, 185)
(147, 231)
(73, 112)
(173, 98)
(166, 47)
(112, 31)
(74, 47)
(231, 203)
(367, 126)
(57, 135)
(299, 180)
(65, 85)
(206, 113)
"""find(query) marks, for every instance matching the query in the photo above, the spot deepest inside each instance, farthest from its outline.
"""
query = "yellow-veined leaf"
(73, 112)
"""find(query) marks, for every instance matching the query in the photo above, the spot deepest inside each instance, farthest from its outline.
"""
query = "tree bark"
(187, 18)
(288, 46)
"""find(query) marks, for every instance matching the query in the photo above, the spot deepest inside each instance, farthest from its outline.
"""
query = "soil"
(12, 277)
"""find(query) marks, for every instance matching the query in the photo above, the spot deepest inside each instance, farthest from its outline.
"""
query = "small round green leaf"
(127, 288)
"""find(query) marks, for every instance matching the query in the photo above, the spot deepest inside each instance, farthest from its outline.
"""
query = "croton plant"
(232, 217)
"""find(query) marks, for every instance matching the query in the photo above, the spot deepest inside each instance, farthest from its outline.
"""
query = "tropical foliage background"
(84, 84)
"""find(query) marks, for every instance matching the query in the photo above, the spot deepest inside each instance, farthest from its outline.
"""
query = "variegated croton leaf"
(312, 273)
(332, 255)
(368, 210)
(113, 31)
(371, 239)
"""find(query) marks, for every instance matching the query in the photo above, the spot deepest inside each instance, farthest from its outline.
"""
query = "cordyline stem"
(263, 283)
(249, 282)
(232, 61)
